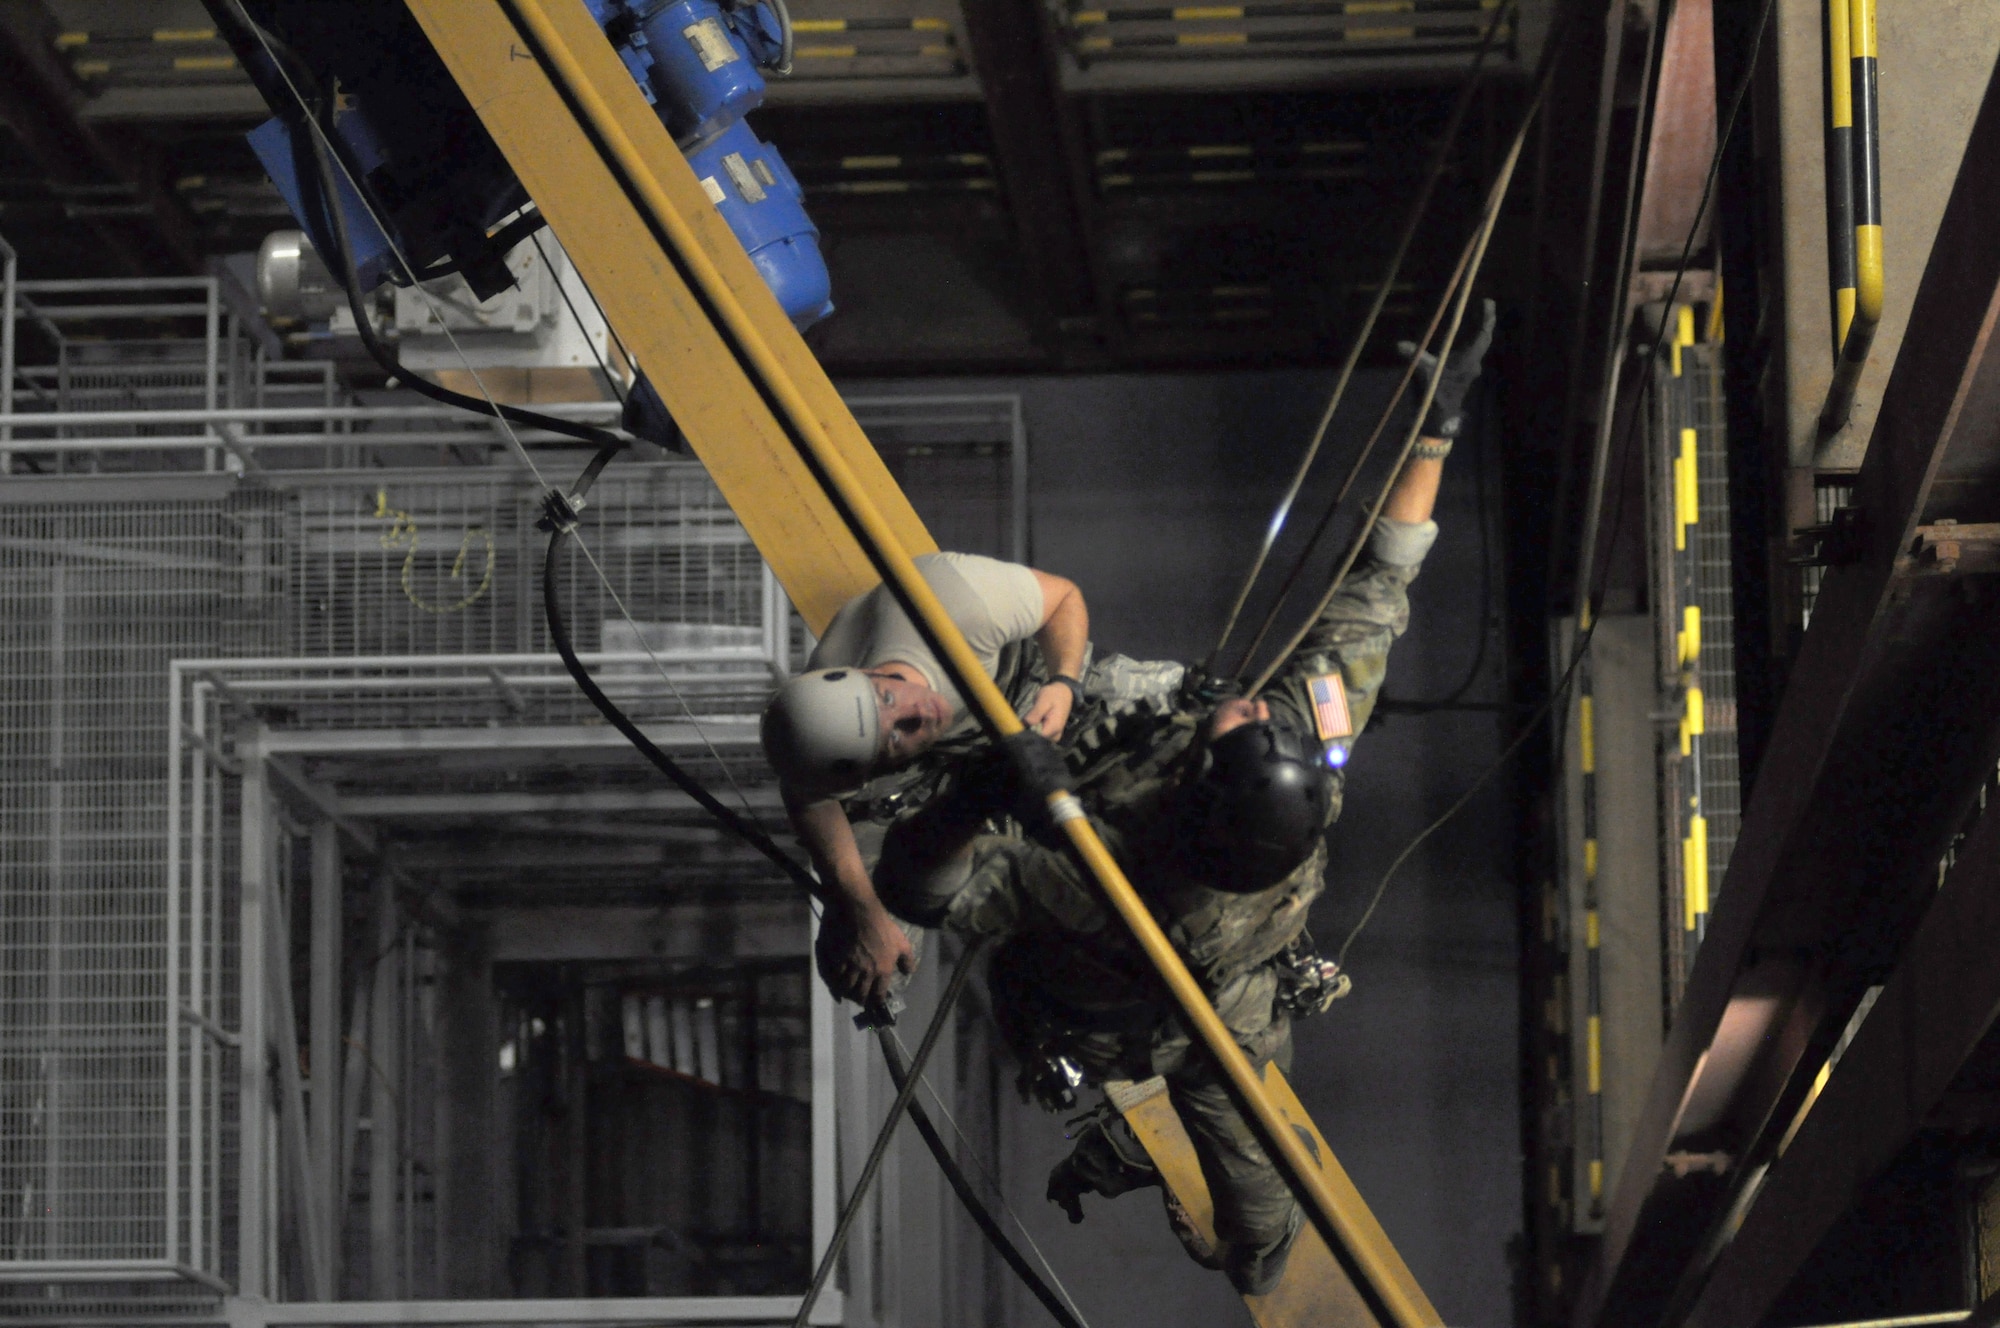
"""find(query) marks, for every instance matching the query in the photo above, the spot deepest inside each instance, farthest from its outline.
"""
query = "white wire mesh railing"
(331, 602)
(92, 602)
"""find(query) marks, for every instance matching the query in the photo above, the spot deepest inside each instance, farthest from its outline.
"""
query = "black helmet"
(1256, 808)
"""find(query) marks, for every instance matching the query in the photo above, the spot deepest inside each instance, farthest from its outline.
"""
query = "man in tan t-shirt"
(875, 698)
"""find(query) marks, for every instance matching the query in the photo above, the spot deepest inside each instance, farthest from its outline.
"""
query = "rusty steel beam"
(1939, 1005)
(1682, 141)
(1890, 721)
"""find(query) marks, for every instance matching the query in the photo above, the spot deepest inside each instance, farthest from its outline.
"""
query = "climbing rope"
(1440, 158)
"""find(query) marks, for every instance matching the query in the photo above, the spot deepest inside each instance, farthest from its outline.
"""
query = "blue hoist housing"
(405, 132)
(699, 63)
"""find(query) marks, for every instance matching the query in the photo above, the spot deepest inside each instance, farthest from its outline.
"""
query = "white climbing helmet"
(823, 730)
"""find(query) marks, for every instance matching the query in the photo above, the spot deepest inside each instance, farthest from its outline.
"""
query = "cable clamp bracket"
(559, 511)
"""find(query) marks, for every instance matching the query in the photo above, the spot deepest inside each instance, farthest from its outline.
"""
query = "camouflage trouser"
(1255, 1216)
(1001, 887)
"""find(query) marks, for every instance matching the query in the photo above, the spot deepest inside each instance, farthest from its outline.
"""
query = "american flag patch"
(1329, 698)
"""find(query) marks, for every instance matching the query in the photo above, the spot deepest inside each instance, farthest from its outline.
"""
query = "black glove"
(1067, 1188)
(1035, 770)
(1460, 372)
(1038, 772)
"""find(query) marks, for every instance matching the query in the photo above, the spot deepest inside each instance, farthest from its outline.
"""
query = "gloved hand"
(1067, 1188)
(1038, 770)
(1460, 372)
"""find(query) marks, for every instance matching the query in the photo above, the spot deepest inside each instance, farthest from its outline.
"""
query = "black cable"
(754, 835)
(744, 828)
(982, 1216)
(1493, 768)
(328, 192)
(905, 1097)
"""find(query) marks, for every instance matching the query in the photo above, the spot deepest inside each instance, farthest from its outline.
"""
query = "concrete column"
(467, 1034)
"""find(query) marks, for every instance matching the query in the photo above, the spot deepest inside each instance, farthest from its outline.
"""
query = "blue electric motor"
(750, 186)
(698, 62)
(702, 76)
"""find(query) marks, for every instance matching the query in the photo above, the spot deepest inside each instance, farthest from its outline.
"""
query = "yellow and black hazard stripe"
(1229, 163)
(1592, 1139)
(1275, 9)
(897, 173)
(811, 25)
(1235, 303)
(873, 50)
(1839, 169)
(1442, 39)
(94, 55)
(1317, 149)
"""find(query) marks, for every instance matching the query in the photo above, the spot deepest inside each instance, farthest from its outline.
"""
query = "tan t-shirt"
(994, 603)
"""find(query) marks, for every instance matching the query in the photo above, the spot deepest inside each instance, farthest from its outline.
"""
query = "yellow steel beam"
(1316, 1291)
(657, 305)
(560, 105)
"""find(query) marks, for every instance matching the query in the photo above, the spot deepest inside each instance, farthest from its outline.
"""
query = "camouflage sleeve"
(1016, 885)
(1353, 635)
(985, 884)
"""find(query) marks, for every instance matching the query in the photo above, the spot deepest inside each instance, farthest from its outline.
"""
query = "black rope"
(742, 826)
(906, 1097)
(981, 1215)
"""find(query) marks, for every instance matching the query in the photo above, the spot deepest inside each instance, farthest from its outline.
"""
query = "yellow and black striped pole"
(1839, 170)
(1693, 720)
(1862, 165)
(1867, 158)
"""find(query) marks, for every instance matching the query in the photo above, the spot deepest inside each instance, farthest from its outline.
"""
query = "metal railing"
(334, 603)
(321, 609)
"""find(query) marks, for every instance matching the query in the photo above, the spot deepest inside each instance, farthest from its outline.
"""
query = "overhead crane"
(541, 109)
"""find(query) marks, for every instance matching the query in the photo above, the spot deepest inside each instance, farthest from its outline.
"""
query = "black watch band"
(1075, 687)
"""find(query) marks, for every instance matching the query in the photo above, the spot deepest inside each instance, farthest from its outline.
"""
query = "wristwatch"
(1075, 687)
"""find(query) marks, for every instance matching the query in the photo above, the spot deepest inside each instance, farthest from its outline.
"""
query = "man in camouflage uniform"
(1068, 980)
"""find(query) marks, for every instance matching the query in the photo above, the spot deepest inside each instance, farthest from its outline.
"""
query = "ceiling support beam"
(1938, 1006)
(1033, 157)
(153, 232)
(1890, 723)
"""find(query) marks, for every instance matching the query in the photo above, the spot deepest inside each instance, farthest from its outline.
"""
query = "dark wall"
(1151, 493)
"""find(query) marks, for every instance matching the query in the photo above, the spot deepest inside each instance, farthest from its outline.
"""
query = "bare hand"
(860, 955)
(1050, 713)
